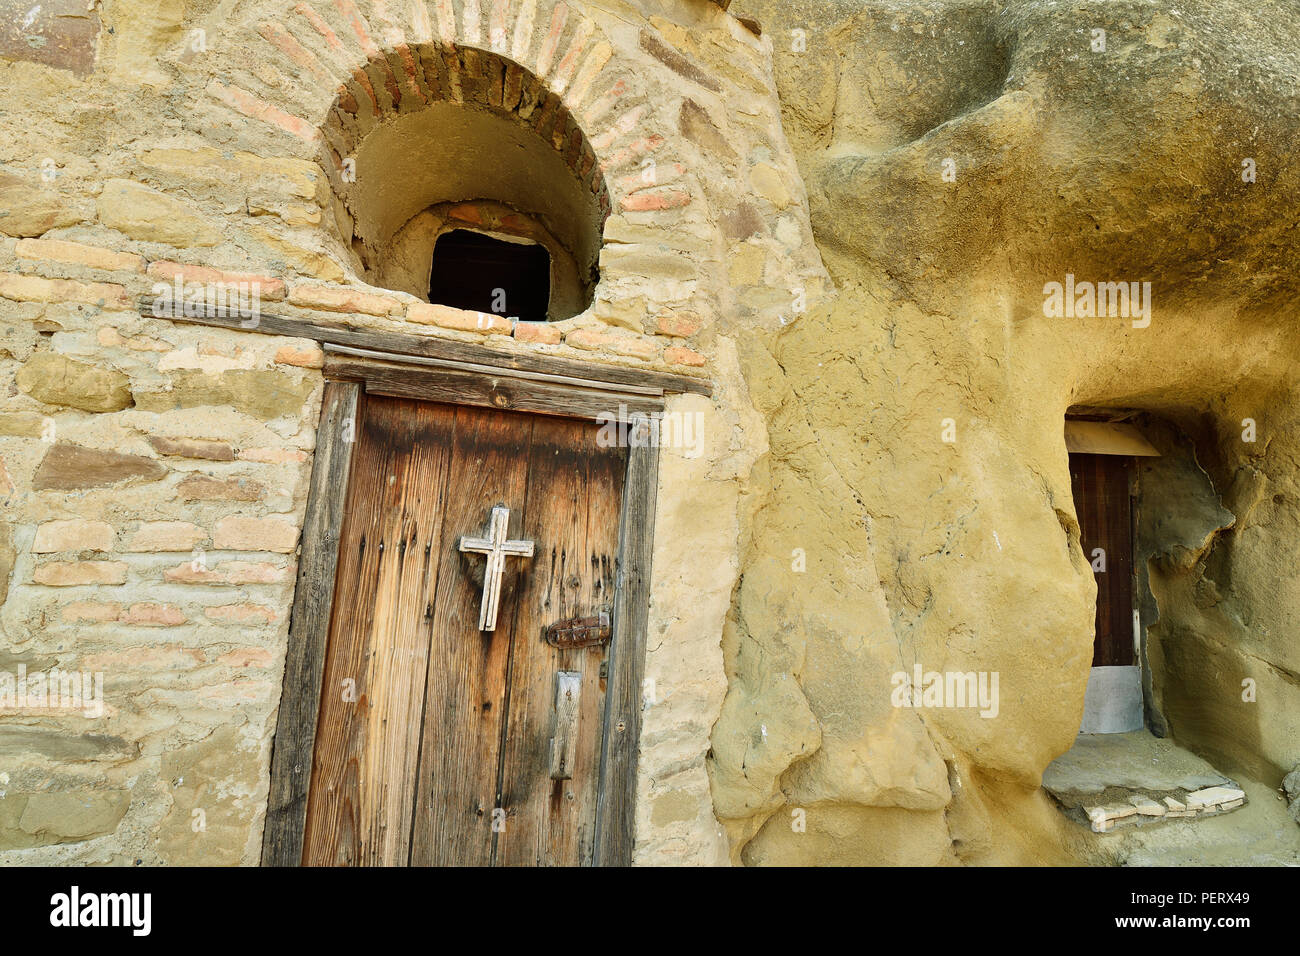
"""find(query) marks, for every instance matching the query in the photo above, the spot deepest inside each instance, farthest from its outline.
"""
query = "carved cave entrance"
(1102, 483)
(1150, 522)
(1159, 706)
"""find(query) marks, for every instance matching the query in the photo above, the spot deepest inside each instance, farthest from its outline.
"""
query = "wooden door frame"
(543, 389)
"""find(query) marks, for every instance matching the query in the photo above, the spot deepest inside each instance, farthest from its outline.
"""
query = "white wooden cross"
(497, 549)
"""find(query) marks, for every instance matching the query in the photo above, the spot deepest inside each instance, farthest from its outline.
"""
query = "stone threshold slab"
(1107, 781)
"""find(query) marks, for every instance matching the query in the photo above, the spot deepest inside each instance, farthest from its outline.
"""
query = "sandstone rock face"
(958, 157)
(7, 553)
(1291, 784)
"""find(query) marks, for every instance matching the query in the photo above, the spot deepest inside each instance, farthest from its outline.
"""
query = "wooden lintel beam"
(401, 343)
(457, 387)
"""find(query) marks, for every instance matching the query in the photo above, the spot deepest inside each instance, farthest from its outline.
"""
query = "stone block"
(205, 488)
(1212, 797)
(146, 31)
(58, 380)
(76, 253)
(677, 324)
(22, 424)
(343, 299)
(264, 394)
(27, 288)
(238, 533)
(153, 615)
(73, 535)
(656, 201)
(64, 574)
(539, 333)
(56, 744)
(273, 456)
(305, 261)
(267, 287)
(29, 208)
(91, 612)
(241, 613)
(150, 216)
(73, 816)
(305, 357)
(607, 341)
(676, 355)
(164, 536)
(242, 657)
(301, 178)
(68, 467)
(1145, 806)
(446, 317)
(231, 572)
(769, 183)
(59, 33)
(192, 448)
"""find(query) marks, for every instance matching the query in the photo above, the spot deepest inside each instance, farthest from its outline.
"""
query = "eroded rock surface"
(959, 156)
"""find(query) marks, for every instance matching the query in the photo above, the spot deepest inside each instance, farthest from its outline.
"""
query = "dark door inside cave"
(1100, 484)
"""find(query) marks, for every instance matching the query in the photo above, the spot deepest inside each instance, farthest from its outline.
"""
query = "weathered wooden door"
(1100, 484)
(439, 743)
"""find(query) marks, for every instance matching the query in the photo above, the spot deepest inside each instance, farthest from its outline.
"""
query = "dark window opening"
(477, 272)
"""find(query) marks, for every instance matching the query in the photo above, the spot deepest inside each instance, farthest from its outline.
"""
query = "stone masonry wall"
(153, 473)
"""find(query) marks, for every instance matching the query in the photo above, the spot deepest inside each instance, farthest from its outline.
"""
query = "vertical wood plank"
(557, 519)
(398, 677)
(295, 733)
(616, 808)
(363, 787)
(1117, 531)
(337, 824)
(574, 493)
(465, 694)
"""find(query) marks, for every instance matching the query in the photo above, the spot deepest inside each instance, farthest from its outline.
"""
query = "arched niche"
(497, 139)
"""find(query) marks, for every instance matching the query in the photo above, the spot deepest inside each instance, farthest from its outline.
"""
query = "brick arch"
(361, 63)
(474, 79)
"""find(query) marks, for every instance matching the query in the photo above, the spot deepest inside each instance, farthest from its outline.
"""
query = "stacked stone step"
(1140, 807)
